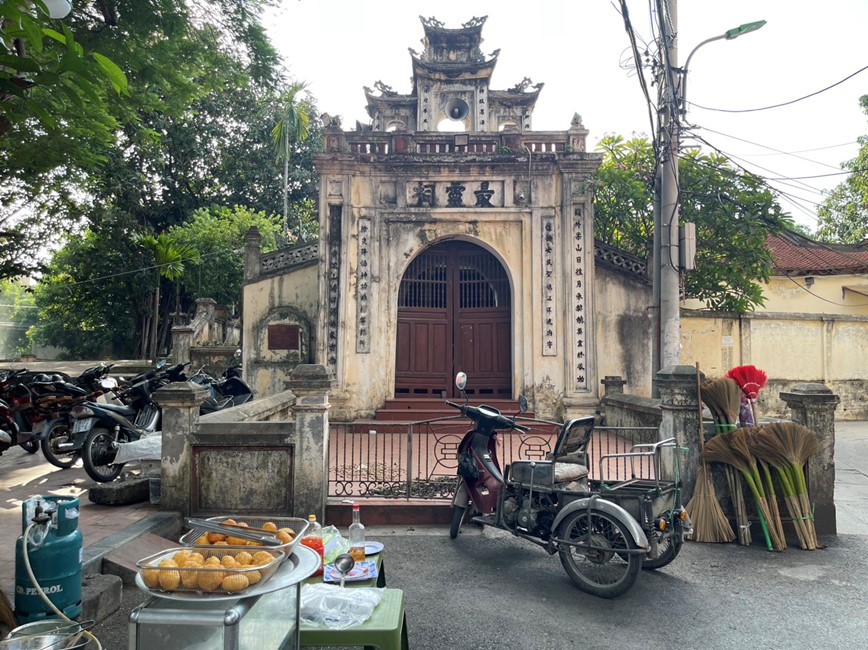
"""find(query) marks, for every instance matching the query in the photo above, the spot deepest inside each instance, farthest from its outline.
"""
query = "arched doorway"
(454, 313)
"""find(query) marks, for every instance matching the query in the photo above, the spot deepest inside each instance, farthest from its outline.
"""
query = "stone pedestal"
(180, 404)
(813, 406)
(679, 404)
(310, 384)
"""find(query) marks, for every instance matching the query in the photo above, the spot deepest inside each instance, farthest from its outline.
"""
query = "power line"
(793, 101)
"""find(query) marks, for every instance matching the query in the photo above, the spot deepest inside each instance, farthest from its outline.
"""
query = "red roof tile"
(795, 254)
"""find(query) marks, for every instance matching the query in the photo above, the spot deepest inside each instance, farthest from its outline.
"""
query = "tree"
(169, 258)
(292, 127)
(219, 235)
(843, 216)
(734, 213)
(17, 314)
(95, 293)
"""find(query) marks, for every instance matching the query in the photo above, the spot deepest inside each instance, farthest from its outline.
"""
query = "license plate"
(85, 424)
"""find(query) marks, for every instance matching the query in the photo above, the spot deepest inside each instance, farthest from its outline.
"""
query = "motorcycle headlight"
(80, 411)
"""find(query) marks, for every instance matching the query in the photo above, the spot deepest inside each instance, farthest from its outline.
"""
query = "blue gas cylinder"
(54, 548)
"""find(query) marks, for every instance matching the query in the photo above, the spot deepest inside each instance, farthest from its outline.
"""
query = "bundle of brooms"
(786, 446)
(723, 399)
(709, 521)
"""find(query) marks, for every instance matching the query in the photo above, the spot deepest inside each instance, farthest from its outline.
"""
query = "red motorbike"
(603, 531)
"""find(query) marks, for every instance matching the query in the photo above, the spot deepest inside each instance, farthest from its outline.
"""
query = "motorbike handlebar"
(498, 420)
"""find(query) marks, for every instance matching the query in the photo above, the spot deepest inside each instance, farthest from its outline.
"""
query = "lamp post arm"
(687, 65)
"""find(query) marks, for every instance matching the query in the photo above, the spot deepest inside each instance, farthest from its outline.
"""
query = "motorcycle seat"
(120, 409)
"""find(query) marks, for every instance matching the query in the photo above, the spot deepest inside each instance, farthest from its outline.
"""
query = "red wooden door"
(454, 314)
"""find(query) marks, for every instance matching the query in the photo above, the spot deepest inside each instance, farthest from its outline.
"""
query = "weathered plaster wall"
(290, 298)
(624, 324)
(790, 348)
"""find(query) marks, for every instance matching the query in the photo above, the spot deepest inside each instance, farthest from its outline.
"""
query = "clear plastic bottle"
(313, 540)
(357, 535)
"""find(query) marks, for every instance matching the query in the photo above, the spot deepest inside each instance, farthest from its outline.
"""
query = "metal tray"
(300, 565)
(151, 563)
(299, 525)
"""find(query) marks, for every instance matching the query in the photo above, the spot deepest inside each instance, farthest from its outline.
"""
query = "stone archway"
(454, 313)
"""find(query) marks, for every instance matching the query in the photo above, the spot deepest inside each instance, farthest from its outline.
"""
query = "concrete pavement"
(490, 590)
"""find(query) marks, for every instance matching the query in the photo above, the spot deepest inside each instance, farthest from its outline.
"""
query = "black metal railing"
(418, 460)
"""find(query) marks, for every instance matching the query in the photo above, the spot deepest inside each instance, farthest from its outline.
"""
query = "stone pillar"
(813, 406)
(180, 403)
(613, 385)
(311, 384)
(679, 406)
(252, 251)
(182, 340)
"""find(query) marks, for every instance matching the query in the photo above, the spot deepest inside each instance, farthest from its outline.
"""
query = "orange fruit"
(269, 525)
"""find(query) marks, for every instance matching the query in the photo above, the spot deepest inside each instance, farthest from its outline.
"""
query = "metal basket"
(297, 524)
(190, 578)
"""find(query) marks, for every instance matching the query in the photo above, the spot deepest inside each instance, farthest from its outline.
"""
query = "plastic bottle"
(313, 540)
(357, 535)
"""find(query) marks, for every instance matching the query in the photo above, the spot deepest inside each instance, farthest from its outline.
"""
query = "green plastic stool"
(386, 629)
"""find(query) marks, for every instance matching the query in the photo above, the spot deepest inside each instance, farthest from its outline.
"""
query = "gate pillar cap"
(310, 376)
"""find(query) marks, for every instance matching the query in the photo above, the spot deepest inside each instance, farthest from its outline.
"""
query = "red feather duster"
(750, 379)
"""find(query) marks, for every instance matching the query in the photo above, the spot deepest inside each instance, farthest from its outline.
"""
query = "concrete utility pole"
(666, 253)
(666, 349)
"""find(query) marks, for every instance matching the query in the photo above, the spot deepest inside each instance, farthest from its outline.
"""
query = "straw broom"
(733, 449)
(709, 521)
(723, 399)
(751, 380)
(787, 447)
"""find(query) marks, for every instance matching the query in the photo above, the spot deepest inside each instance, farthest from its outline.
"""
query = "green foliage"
(93, 293)
(843, 216)
(734, 213)
(219, 235)
(17, 313)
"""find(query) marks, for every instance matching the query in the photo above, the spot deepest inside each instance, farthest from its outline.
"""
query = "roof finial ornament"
(521, 86)
(431, 22)
(476, 21)
(577, 121)
(384, 89)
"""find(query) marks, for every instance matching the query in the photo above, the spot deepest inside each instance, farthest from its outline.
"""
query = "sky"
(580, 50)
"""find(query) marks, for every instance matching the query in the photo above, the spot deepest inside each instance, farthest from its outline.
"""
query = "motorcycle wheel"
(59, 433)
(30, 446)
(457, 519)
(669, 550)
(97, 454)
(604, 573)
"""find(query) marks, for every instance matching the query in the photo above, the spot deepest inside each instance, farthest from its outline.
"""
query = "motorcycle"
(8, 428)
(603, 531)
(105, 426)
(18, 404)
(60, 446)
(228, 391)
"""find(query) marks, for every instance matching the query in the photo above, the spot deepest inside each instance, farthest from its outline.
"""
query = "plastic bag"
(337, 608)
(148, 447)
(333, 543)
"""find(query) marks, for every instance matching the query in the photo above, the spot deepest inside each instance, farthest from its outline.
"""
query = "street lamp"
(667, 273)
(728, 35)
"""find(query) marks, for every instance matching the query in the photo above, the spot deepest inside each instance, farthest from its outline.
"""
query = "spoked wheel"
(669, 548)
(60, 433)
(30, 446)
(600, 571)
(97, 454)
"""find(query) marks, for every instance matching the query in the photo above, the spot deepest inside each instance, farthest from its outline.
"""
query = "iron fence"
(418, 460)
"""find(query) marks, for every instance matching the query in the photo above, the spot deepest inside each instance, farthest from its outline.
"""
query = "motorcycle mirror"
(237, 354)
(460, 381)
(522, 403)
(160, 364)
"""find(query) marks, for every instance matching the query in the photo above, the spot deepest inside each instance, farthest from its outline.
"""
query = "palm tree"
(293, 126)
(169, 258)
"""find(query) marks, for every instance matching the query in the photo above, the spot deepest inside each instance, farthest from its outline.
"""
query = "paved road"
(486, 590)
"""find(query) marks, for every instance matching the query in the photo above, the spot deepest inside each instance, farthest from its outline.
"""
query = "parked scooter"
(60, 446)
(108, 425)
(228, 391)
(18, 402)
(8, 428)
(603, 531)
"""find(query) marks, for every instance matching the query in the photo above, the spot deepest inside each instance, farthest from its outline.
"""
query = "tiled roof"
(795, 254)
